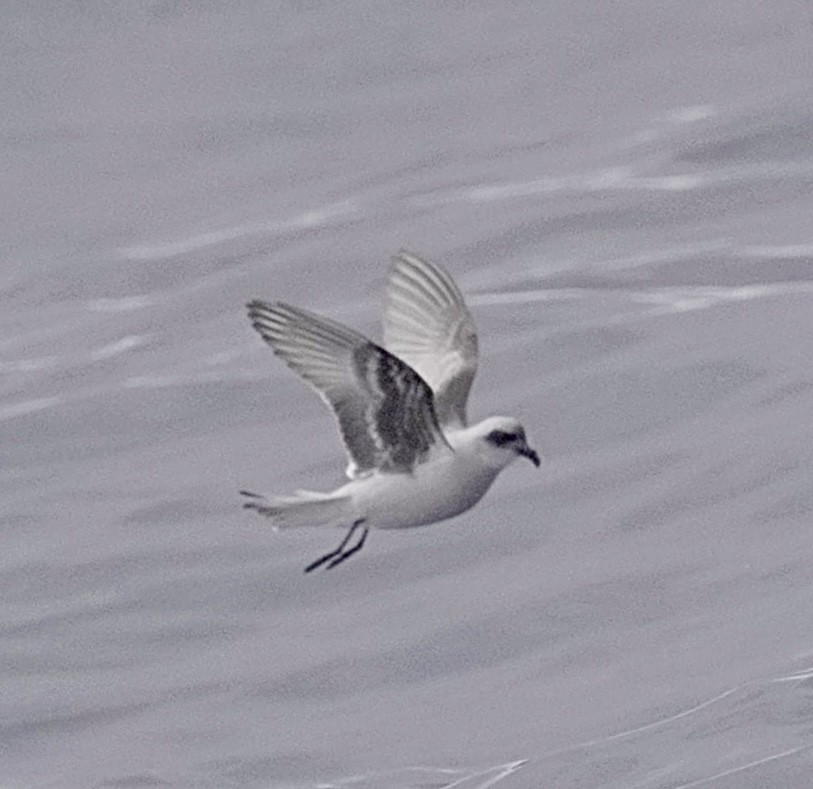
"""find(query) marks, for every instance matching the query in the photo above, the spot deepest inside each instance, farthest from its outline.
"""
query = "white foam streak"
(118, 347)
(612, 179)
(124, 304)
(28, 407)
(787, 251)
(440, 777)
(690, 711)
(668, 299)
(528, 296)
(29, 365)
(742, 768)
(165, 381)
(488, 777)
(313, 218)
(686, 299)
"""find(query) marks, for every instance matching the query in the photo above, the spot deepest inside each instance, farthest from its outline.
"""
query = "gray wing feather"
(385, 410)
(427, 324)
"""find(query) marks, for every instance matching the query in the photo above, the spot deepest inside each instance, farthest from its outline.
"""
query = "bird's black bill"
(529, 453)
(340, 554)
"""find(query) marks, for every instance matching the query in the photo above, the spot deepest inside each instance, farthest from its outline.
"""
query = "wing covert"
(385, 410)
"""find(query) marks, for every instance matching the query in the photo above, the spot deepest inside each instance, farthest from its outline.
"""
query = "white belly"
(435, 491)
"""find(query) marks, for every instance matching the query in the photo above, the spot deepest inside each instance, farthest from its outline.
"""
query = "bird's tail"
(304, 508)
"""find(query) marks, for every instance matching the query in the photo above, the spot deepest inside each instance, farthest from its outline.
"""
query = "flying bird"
(401, 410)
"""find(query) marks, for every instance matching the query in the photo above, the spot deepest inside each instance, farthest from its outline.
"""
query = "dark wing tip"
(258, 306)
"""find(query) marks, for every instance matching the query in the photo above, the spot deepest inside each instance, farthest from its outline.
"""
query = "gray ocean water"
(623, 190)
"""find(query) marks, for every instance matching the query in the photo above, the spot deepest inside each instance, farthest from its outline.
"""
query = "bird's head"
(501, 440)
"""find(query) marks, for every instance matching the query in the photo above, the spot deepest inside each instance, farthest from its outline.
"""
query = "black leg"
(347, 554)
(337, 555)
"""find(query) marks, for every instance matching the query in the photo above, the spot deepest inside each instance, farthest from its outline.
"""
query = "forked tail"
(304, 508)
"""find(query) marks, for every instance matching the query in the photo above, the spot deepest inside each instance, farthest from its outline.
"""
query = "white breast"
(434, 492)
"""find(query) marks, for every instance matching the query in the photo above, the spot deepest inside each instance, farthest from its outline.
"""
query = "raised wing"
(384, 408)
(427, 324)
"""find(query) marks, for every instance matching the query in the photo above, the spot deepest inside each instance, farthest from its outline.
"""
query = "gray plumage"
(384, 408)
(427, 325)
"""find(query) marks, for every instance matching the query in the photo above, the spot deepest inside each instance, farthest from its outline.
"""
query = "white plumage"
(401, 410)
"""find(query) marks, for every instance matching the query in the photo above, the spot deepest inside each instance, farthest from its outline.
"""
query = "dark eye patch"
(500, 438)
